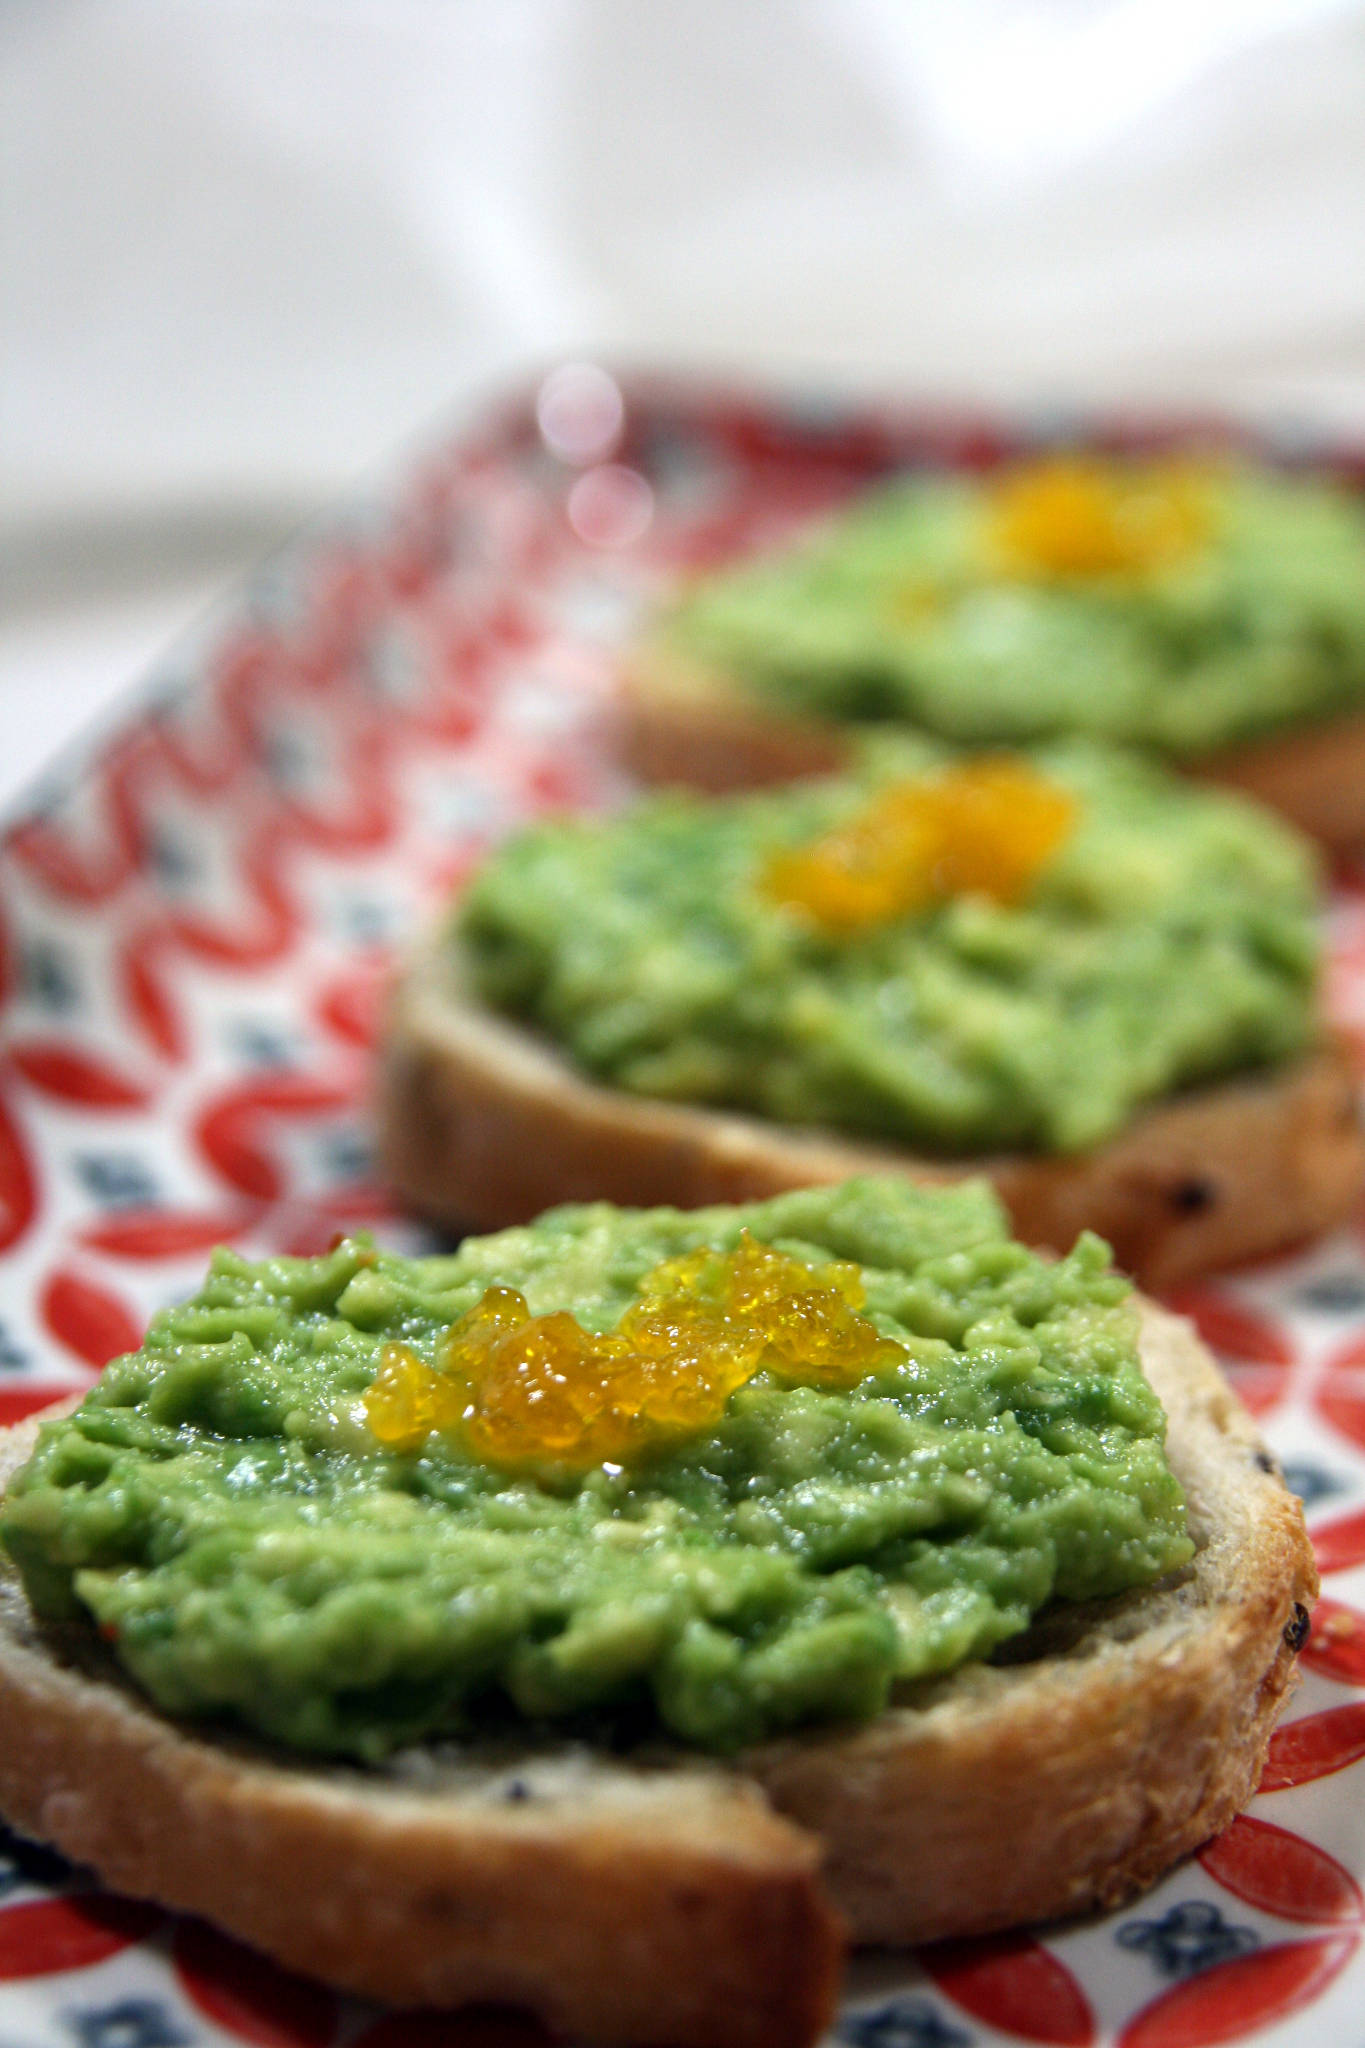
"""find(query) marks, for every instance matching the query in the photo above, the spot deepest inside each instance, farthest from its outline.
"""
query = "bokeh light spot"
(610, 506)
(580, 413)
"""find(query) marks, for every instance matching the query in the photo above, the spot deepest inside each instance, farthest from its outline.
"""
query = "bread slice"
(623, 1902)
(1116, 1738)
(678, 721)
(485, 1123)
(670, 1898)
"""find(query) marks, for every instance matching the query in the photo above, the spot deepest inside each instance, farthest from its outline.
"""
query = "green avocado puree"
(893, 611)
(1169, 941)
(218, 1507)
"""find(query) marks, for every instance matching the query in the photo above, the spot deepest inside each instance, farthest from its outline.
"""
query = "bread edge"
(617, 1903)
(484, 1123)
(1039, 1791)
(686, 1901)
(678, 721)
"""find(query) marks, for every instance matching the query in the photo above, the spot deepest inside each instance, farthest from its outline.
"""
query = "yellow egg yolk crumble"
(986, 828)
(1076, 517)
(522, 1390)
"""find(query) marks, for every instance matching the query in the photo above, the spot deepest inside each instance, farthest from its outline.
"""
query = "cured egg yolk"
(985, 828)
(522, 1390)
(1081, 516)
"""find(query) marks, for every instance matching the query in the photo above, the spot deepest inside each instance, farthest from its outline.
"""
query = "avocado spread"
(1164, 939)
(222, 1509)
(1177, 609)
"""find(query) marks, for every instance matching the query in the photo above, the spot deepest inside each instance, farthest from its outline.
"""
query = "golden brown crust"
(1036, 1790)
(485, 1124)
(1313, 775)
(679, 722)
(618, 1902)
(668, 1900)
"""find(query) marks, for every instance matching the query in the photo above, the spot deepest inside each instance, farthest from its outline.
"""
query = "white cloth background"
(248, 245)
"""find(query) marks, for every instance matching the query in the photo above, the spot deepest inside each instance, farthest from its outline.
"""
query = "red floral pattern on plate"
(164, 1233)
(41, 1937)
(1233, 1999)
(1336, 1646)
(1339, 1546)
(70, 1075)
(88, 1319)
(18, 1187)
(1012, 1982)
(1254, 1350)
(1341, 1393)
(1282, 1873)
(1315, 1746)
(30, 1397)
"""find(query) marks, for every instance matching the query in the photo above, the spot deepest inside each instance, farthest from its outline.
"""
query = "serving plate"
(197, 917)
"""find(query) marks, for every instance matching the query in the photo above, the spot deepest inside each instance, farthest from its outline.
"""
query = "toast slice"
(665, 1897)
(679, 722)
(485, 1123)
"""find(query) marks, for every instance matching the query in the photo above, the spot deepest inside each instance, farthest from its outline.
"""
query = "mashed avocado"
(899, 610)
(1168, 941)
(219, 1508)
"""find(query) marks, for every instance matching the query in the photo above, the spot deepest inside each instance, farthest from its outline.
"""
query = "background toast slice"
(679, 722)
(485, 1123)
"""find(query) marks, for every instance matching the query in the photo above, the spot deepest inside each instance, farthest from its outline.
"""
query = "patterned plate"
(197, 923)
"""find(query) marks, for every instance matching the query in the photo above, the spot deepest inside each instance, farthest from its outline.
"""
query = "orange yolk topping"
(1073, 516)
(523, 1390)
(986, 828)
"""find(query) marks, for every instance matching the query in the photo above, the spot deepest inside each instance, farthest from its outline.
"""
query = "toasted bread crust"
(1036, 1790)
(679, 722)
(485, 1124)
(1313, 775)
(619, 1902)
(680, 1899)
(682, 723)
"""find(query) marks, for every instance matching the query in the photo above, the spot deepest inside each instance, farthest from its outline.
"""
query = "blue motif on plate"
(132, 2023)
(13, 1357)
(117, 1180)
(49, 977)
(1192, 1936)
(903, 2023)
(174, 862)
(1311, 1482)
(264, 1045)
(1333, 1294)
